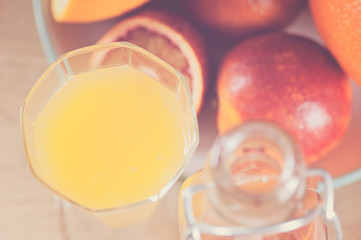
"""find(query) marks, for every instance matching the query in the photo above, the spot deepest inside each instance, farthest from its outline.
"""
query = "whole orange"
(291, 81)
(239, 18)
(339, 24)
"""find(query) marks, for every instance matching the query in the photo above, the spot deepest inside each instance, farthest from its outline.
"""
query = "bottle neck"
(256, 175)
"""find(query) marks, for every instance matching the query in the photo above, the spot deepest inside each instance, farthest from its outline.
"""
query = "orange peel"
(80, 11)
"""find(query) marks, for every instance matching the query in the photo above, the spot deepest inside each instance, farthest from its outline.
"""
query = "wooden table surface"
(27, 209)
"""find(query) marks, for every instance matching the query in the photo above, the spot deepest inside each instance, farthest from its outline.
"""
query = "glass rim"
(102, 47)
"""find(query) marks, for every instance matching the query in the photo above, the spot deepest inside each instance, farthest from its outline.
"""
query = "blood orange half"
(171, 38)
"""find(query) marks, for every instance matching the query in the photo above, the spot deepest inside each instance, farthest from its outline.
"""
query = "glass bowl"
(343, 162)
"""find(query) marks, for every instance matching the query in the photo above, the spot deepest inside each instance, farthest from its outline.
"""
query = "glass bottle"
(256, 186)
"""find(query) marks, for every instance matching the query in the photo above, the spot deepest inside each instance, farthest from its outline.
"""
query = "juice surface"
(110, 137)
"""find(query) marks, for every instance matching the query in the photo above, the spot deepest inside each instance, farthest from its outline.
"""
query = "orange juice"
(110, 137)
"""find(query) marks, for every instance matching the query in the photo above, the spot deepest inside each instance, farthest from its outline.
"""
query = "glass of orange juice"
(110, 128)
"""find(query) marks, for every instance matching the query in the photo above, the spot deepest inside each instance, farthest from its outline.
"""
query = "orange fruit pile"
(192, 36)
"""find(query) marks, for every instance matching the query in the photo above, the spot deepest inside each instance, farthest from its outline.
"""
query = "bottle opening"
(258, 174)
(255, 171)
